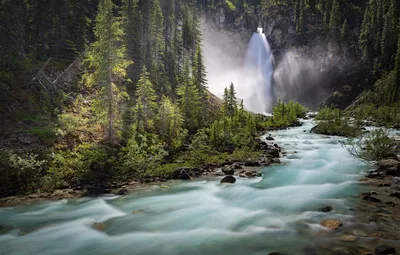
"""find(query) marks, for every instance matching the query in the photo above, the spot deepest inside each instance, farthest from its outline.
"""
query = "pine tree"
(395, 91)
(365, 41)
(189, 99)
(334, 20)
(199, 71)
(146, 103)
(170, 124)
(132, 26)
(106, 58)
(300, 24)
(344, 32)
(232, 104)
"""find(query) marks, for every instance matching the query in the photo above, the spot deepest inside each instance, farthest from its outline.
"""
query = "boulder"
(331, 224)
(384, 250)
(274, 152)
(228, 179)
(390, 166)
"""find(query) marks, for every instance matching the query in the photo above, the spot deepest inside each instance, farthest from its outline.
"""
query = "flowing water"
(276, 212)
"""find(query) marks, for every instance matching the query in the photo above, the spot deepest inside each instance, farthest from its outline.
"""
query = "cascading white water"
(255, 88)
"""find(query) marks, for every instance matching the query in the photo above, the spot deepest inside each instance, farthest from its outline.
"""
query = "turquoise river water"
(275, 212)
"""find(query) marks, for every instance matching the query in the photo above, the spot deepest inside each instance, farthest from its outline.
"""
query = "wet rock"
(228, 170)
(228, 179)
(181, 173)
(390, 203)
(390, 166)
(273, 152)
(396, 125)
(395, 184)
(276, 161)
(99, 226)
(237, 166)
(374, 174)
(372, 199)
(252, 163)
(361, 233)
(325, 209)
(384, 250)
(395, 194)
(331, 224)
(269, 138)
(347, 238)
(247, 174)
(122, 191)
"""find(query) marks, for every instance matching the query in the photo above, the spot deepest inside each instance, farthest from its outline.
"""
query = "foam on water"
(278, 212)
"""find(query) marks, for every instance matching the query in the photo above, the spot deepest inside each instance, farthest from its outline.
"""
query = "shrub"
(84, 162)
(20, 173)
(375, 146)
(334, 122)
(142, 153)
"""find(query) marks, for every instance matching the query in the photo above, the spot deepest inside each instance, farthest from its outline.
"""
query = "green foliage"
(84, 162)
(106, 57)
(375, 146)
(170, 124)
(141, 154)
(230, 6)
(45, 134)
(286, 115)
(20, 173)
(334, 122)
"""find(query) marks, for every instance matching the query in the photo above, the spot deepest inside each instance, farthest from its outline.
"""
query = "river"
(279, 211)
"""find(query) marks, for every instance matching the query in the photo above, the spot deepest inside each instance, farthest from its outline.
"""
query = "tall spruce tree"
(107, 58)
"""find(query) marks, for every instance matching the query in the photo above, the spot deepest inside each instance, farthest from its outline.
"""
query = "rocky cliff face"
(307, 68)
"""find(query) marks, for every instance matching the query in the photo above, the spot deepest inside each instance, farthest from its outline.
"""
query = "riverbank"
(269, 153)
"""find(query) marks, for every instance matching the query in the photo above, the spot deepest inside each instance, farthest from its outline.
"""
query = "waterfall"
(255, 87)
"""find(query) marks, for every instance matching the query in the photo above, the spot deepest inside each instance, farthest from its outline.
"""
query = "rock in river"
(331, 224)
(228, 179)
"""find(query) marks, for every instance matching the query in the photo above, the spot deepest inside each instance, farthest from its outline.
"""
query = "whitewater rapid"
(276, 212)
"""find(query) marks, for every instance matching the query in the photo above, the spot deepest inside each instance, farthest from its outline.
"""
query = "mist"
(304, 76)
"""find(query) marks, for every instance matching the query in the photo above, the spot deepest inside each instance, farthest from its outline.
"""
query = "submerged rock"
(331, 224)
(384, 250)
(228, 179)
(325, 209)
